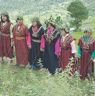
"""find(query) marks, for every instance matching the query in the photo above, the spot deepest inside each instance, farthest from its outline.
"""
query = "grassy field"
(15, 81)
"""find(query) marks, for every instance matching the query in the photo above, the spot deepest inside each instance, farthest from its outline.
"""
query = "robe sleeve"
(28, 38)
(93, 49)
(79, 51)
(42, 44)
(57, 47)
(93, 54)
(79, 47)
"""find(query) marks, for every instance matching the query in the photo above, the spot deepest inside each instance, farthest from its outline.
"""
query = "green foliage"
(90, 22)
(78, 12)
(41, 8)
(15, 81)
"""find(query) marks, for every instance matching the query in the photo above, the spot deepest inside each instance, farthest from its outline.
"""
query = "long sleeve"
(11, 33)
(57, 47)
(79, 51)
(41, 34)
(73, 47)
(42, 45)
(92, 48)
(93, 54)
(28, 38)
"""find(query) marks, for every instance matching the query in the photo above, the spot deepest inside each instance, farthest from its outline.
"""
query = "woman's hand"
(41, 49)
(12, 42)
(29, 46)
(94, 61)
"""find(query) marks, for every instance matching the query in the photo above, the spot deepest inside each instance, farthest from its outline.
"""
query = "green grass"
(15, 81)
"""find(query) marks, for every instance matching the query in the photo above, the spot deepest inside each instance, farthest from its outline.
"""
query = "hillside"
(40, 7)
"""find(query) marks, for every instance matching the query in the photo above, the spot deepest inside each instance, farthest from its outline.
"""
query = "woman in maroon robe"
(86, 53)
(6, 50)
(21, 41)
(68, 48)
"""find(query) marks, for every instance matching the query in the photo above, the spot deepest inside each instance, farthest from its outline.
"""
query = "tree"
(78, 12)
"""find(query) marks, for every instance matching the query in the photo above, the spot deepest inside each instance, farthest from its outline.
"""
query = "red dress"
(66, 52)
(5, 41)
(21, 36)
(85, 59)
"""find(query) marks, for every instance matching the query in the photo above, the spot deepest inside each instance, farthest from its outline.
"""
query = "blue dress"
(50, 59)
(35, 53)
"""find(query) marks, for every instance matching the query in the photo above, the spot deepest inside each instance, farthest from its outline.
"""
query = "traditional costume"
(86, 51)
(68, 49)
(21, 41)
(6, 50)
(50, 47)
(36, 32)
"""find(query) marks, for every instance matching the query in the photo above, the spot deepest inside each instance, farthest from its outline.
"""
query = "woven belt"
(38, 41)
(3, 34)
(20, 38)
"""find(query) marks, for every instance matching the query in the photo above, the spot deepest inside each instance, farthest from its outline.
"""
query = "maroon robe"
(5, 41)
(66, 52)
(85, 60)
(20, 40)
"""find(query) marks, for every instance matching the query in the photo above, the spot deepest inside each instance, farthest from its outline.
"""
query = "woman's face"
(87, 34)
(19, 22)
(4, 18)
(63, 33)
(34, 24)
(50, 27)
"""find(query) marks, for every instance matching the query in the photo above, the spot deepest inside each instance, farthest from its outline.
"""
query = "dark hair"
(64, 30)
(36, 19)
(8, 20)
(39, 24)
(54, 26)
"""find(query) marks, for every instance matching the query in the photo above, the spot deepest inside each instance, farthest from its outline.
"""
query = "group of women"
(52, 47)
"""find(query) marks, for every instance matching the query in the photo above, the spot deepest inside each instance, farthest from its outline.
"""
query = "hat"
(65, 28)
(4, 13)
(19, 18)
(35, 19)
(51, 21)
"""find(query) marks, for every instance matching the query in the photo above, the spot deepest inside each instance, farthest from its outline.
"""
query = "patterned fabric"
(36, 43)
(66, 50)
(86, 42)
(65, 42)
(21, 35)
(5, 28)
(50, 54)
(5, 40)
(86, 49)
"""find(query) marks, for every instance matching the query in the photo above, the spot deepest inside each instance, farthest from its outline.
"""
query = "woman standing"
(6, 37)
(68, 48)
(21, 41)
(51, 54)
(36, 31)
(86, 53)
